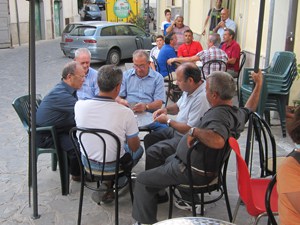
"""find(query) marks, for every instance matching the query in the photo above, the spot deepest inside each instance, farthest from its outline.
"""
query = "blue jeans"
(111, 167)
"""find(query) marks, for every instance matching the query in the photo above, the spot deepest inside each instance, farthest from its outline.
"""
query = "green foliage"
(138, 20)
(298, 69)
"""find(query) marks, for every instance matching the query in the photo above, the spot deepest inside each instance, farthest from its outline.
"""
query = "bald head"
(224, 14)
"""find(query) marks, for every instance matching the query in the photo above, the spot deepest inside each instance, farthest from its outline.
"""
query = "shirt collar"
(150, 73)
(198, 90)
(70, 89)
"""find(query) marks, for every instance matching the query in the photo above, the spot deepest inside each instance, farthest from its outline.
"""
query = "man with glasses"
(90, 87)
(142, 88)
(57, 109)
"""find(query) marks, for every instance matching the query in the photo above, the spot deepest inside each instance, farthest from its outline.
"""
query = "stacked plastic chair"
(278, 79)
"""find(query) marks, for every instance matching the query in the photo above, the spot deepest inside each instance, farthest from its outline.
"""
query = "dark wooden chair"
(213, 65)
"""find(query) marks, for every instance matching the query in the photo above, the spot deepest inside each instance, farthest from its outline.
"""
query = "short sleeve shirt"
(180, 35)
(192, 49)
(90, 86)
(233, 50)
(105, 113)
(166, 52)
(215, 17)
(147, 89)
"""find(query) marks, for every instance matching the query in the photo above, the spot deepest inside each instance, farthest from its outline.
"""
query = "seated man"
(57, 109)
(142, 87)
(167, 52)
(214, 128)
(160, 41)
(90, 87)
(233, 50)
(212, 53)
(189, 47)
(96, 112)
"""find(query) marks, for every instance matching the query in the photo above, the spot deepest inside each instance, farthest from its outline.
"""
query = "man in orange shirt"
(190, 47)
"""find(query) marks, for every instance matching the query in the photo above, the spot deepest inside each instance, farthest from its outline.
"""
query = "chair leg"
(80, 202)
(64, 172)
(130, 187)
(116, 201)
(227, 199)
(171, 202)
(202, 204)
(54, 161)
(236, 209)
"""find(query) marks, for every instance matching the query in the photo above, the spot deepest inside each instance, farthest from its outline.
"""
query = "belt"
(197, 171)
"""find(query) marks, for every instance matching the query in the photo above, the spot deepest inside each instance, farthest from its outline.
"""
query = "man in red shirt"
(190, 47)
(232, 49)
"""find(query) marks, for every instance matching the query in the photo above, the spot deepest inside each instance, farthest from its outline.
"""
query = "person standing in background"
(178, 28)
(214, 14)
(165, 24)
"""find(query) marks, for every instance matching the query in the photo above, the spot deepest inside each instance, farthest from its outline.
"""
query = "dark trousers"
(150, 182)
(159, 145)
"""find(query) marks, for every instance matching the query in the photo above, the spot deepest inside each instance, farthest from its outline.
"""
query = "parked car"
(92, 12)
(68, 29)
(107, 41)
(101, 4)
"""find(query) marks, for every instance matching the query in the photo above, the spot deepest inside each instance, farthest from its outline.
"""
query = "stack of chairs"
(278, 79)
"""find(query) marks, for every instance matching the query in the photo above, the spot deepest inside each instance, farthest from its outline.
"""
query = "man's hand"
(190, 140)
(139, 107)
(159, 112)
(221, 24)
(122, 102)
(257, 77)
(163, 118)
(170, 61)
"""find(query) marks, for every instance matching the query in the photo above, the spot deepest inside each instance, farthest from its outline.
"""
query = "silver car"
(107, 41)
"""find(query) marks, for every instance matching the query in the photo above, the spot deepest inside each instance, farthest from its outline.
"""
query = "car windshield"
(94, 8)
(83, 31)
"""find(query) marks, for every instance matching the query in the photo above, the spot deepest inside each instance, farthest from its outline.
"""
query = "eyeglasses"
(141, 67)
(80, 76)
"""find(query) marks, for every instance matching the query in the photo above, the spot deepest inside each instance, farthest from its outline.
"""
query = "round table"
(193, 221)
(143, 119)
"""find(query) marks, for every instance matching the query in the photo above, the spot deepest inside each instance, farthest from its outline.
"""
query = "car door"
(143, 40)
(126, 40)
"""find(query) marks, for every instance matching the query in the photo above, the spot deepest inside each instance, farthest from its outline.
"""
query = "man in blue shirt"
(167, 52)
(57, 109)
(142, 88)
(90, 87)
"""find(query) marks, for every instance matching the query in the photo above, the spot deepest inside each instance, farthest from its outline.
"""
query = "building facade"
(51, 16)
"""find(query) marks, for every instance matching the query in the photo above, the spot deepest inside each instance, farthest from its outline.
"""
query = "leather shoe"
(76, 178)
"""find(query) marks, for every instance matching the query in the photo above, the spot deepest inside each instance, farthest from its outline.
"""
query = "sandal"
(108, 196)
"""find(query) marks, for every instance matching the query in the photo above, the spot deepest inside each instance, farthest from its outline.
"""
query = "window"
(137, 31)
(122, 31)
(108, 31)
(83, 31)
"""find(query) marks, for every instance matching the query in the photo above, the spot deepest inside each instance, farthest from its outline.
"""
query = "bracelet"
(168, 122)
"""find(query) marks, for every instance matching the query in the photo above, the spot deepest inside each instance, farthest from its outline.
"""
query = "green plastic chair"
(22, 106)
(278, 79)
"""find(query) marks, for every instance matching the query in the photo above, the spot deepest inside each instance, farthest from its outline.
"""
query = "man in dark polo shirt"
(215, 127)
(57, 109)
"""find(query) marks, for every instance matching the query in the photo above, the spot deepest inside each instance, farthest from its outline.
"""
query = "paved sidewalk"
(53, 207)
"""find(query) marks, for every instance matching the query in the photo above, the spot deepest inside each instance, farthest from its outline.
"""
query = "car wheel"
(113, 57)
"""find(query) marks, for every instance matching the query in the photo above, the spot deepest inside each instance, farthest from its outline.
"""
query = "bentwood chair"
(213, 171)
(81, 139)
(22, 106)
(252, 191)
(213, 65)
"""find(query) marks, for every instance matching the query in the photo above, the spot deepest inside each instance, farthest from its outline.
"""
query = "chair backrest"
(243, 178)
(281, 62)
(259, 132)
(155, 63)
(272, 187)
(213, 65)
(23, 108)
(242, 61)
(85, 139)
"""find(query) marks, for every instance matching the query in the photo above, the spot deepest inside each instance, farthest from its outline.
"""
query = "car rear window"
(83, 31)
(69, 28)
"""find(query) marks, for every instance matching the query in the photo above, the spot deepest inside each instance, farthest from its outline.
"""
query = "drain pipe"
(270, 30)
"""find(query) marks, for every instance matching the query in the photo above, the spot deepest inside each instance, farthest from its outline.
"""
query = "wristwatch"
(147, 107)
(168, 122)
(191, 131)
